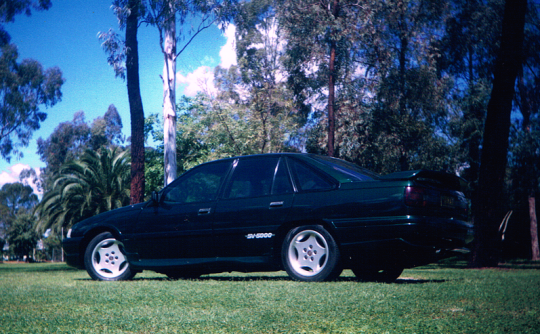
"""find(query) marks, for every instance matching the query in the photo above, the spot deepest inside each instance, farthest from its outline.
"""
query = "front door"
(179, 226)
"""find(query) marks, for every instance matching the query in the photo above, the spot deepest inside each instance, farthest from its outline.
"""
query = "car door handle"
(276, 204)
(205, 211)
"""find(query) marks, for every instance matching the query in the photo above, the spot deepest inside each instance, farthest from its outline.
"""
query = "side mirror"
(155, 197)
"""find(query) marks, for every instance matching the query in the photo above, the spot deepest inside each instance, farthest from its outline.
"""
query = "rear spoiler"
(446, 180)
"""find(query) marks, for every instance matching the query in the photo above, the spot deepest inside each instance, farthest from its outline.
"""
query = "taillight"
(415, 196)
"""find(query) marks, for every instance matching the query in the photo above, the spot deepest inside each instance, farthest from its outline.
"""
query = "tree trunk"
(135, 105)
(489, 209)
(534, 229)
(331, 88)
(169, 98)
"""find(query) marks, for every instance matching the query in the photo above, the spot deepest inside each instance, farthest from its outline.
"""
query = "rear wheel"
(105, 260)
(387, 275)
(310, 253)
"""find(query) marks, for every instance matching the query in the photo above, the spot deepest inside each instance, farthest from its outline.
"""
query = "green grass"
(52, 298)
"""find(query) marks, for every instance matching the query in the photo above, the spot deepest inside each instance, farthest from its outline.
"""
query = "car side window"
(258, 177)
(308, 179)
(200, 185)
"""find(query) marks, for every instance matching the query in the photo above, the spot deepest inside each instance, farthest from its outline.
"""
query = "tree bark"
(135, 104)
(489, 206)
(534, 229)
(169, 98)
(331, 88)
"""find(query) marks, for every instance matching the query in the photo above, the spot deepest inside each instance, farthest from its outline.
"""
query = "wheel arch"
(282, 231)
(91, 234)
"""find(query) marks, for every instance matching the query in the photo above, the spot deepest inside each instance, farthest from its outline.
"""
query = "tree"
(15, 198)
(67, 142)
(123, 56)
(163, 15)
(24, 87)
(107, 130)
(496, 133)
(321, 46)
(96, 183)
(467, 53)
(22, 236)
(10, 8)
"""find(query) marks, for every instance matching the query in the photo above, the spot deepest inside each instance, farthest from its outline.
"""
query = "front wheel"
(310, 254)
(105, 260)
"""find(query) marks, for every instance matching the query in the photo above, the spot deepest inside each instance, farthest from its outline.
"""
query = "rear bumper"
(410, 241)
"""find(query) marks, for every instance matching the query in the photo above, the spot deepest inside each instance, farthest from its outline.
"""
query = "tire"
(105, 259)
(388, 275)
(310, 254)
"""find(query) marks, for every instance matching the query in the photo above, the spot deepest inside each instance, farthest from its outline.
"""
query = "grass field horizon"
(439, 298)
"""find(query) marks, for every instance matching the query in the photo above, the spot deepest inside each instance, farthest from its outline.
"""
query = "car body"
(310, 215)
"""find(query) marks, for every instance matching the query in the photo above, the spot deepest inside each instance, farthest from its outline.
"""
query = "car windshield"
(345, 171)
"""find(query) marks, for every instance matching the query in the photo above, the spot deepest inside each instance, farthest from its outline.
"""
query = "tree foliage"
(98, 182)
(71, 139)
(10, 8)
(24, 88)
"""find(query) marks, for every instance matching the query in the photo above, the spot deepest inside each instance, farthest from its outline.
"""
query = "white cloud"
(202, 79)
(228, 51)
(12, 176)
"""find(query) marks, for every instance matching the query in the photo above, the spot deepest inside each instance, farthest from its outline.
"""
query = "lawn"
(443, 298)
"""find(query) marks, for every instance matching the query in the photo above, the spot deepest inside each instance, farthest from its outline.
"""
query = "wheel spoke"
(308, 253)
(108, 258)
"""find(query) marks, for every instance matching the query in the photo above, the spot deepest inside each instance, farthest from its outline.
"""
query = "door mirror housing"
(156, 197)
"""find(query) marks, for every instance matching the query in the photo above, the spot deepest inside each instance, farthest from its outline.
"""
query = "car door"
(255, 202)
(179, 224)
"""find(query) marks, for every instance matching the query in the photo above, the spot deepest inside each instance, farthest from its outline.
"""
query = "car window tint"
(345, 171)
(200, 185)
(308, 178)
(282, 182)
(255, 177)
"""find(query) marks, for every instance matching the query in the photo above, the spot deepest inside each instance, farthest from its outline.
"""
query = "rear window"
(344, 171)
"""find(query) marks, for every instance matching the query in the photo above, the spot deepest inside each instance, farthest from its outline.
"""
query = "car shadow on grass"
(403, 281)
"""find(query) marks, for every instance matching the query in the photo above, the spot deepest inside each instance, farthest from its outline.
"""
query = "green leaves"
(24, 87)
(98, 182)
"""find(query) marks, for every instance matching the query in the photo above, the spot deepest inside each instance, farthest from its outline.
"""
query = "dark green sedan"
(309, 215)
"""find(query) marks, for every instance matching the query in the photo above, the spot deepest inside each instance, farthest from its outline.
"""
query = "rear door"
(256, 201)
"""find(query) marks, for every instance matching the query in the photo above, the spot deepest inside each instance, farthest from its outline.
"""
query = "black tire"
(310, 254)
(387, 275)
(105, 259)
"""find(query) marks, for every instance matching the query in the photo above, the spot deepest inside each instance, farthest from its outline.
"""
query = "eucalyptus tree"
(15, 198)
(10, 8)
(98, 182)
(467, 53)
(25, 87)
(525, 137)
(489, 204)
(123, 56)
(193, 17)
(22, 236)
(321, 46)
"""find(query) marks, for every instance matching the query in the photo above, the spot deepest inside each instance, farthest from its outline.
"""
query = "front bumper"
(72, 253)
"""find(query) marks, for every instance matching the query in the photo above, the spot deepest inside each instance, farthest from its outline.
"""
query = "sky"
(66, 36)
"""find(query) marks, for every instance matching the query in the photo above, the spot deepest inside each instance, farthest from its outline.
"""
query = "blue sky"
(66, 36)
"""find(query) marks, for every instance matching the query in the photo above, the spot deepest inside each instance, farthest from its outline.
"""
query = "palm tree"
(98, 182)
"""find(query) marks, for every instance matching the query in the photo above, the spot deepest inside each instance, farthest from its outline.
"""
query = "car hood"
(114, 219)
